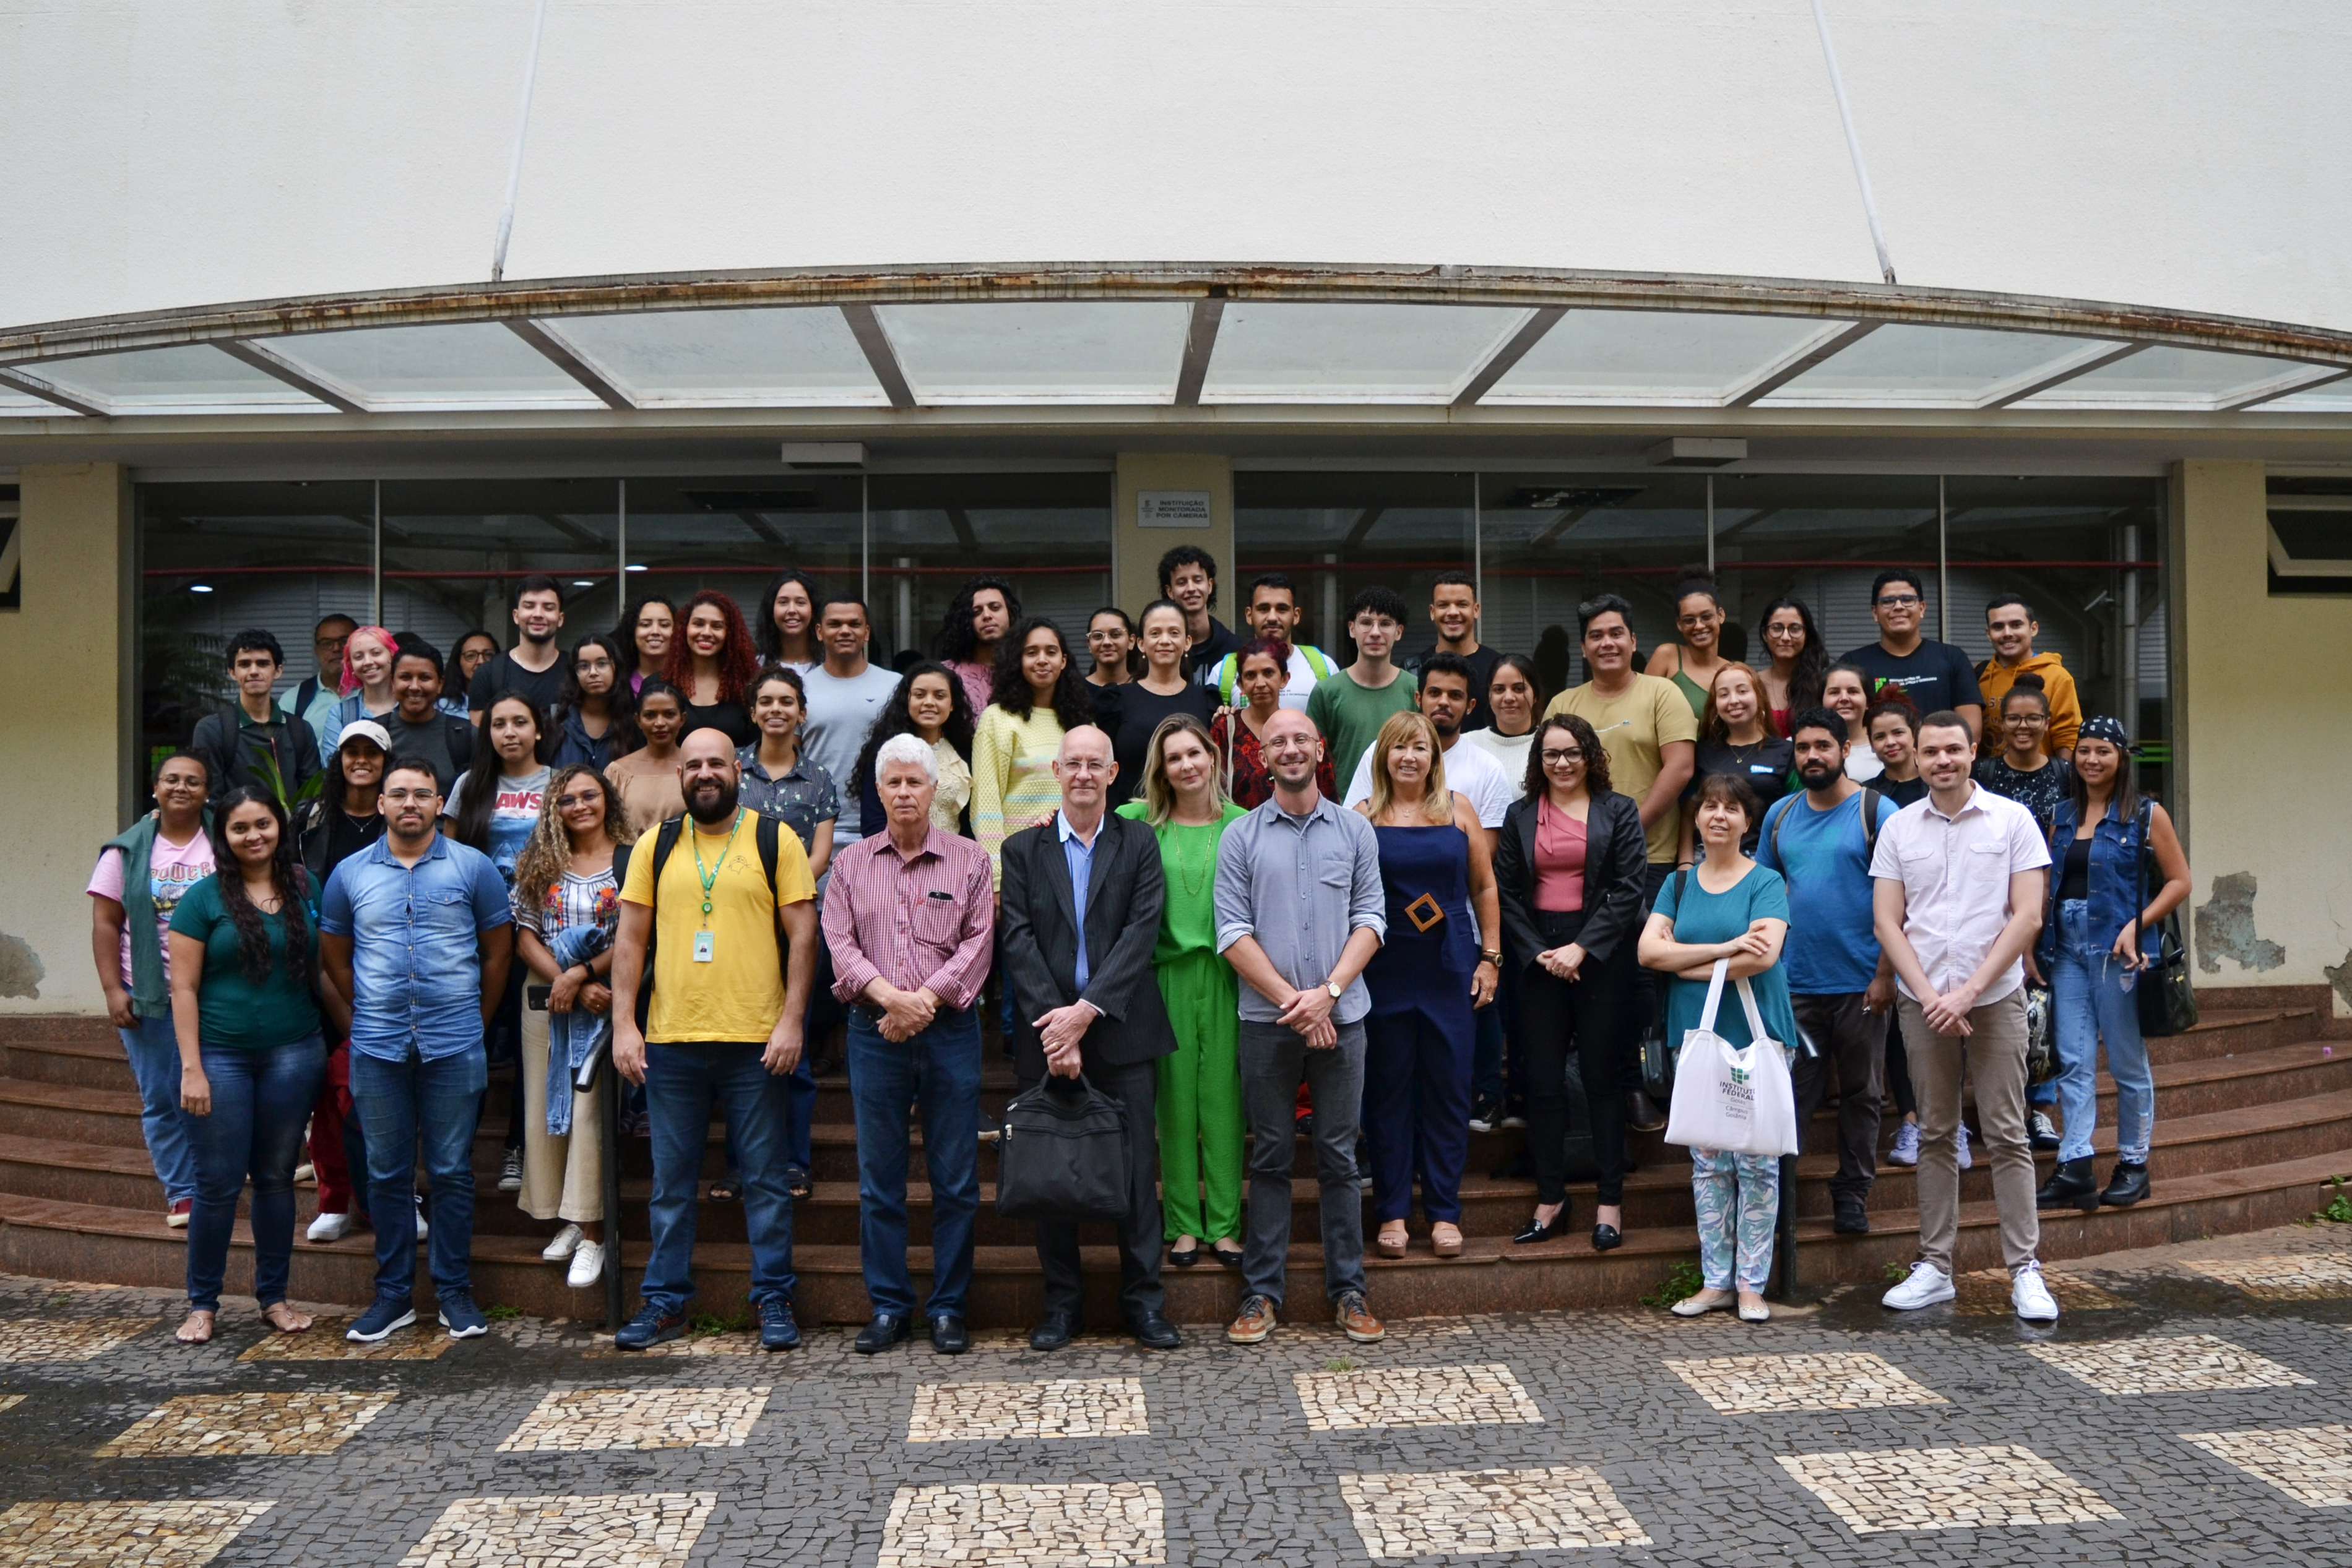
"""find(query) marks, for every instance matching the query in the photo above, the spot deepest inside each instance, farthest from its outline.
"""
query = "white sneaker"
(2030, 1297)
(587, 1266)
(1960, 1143)
(566, 1242)
(1905, 1151)
(330, 1227)
(1925, 1287)
(304, 1175)
(423, 1229)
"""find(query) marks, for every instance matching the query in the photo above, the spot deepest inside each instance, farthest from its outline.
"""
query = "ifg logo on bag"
(1739, 1076)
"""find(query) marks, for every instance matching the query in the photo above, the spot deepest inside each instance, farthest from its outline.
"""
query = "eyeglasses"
(568, 802)
(403, 797)
(1897, 601)
(1562, 754)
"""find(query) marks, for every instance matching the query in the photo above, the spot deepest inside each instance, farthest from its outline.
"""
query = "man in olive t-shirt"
(1645, 723)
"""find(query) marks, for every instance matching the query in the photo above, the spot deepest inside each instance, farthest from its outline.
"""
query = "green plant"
(2339, 1203)
(1681, 1280)
(703, 1325)
(501, 1313)
(1338, 1363)
(1895, 1274)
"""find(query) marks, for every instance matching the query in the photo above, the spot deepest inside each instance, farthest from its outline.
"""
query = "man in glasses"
(314, 697)
(1936, 677)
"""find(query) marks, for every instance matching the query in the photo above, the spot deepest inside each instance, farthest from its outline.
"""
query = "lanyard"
(711, 877)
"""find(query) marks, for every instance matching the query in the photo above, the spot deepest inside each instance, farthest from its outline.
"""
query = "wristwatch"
(1491, 955)
(1336, 989)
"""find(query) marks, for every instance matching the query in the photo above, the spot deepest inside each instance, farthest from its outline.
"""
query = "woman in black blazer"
(1570, 867)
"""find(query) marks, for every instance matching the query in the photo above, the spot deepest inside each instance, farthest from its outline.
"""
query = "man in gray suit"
(1081, 913)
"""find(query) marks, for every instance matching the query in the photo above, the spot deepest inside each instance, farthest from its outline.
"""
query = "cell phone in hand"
(535, 998)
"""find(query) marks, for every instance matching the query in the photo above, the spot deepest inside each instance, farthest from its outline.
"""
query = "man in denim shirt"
(417, 931)
(1300, 911)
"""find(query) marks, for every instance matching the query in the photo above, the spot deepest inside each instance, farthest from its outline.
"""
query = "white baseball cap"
(365, 729)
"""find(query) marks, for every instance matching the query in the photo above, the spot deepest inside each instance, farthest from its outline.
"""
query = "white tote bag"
(1738, 1100)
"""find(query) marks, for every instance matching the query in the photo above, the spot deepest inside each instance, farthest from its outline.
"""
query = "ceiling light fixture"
(200, 588)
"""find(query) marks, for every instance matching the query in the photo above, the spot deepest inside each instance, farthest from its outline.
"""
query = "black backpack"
(766, 835)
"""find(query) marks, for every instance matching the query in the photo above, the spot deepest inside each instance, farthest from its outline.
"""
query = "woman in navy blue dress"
(1431, 973)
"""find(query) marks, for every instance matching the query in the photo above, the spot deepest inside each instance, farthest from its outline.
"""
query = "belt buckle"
(1424, 911)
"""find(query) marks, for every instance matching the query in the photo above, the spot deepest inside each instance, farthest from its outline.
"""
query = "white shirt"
(1955, 873)
(1296, 690)
(841, 709)
(1509, 752)
(1470, 773)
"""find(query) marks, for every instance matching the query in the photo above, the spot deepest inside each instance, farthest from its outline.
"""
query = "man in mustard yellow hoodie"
(2011, 627)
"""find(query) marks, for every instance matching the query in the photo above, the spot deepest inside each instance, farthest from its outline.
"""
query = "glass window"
(2195, 378)
(735, 533)
(1049, 351)
(1272, 352)
(779, 358)
(196, 379)
(1048, 534)
(1941, 365)
(1650, 356)
(474, 364)
(1337, 534)
(1553, 541)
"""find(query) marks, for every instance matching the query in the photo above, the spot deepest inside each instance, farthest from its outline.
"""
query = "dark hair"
(770, 640)
(454, 677)
(1524, 666)
(1869, 685)
(1183, 556)
(656, 687)
(785, 673)
(1818, 718)
(957, 640)
(409, 645)
(286, 876)
(182, 756)
(2028, 685)
(1732, 788)
(409, 762)
(1442, 662)
(1812, 660)
(1273, 580)
(333, 785)
(894, 719)
(1596, 758)
(1893, 700)
(1144, 615)
(569, 697)
(1378, 600)
(864, 611)
(2126, 785)
(255, 640)
(1455, 578)
(325, 620)
(1998, 600)
(1942, 718)
(471, 819)
(1602, 604)
(737, 657)
(536, 582)
(1073, 702)
(1134, 665)
(1897, 574)
(1692, 580)
(1275, 648)
(625, 631)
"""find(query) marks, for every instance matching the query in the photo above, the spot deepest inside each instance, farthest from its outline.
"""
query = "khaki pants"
(1993, 1057)
(563, 1178)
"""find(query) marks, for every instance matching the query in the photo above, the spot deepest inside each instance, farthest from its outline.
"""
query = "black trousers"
(1594, 1016)
(1136, 1088)
(1852, 1046)
(1898, 1070)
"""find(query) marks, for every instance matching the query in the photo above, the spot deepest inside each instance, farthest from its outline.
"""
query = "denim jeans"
(261, 1100)
(154, 1053)
(681, 1081)
(940, 1070)
(2093, 1002)
(397, 1101)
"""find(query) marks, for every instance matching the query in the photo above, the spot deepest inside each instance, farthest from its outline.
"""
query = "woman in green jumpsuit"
(1200, 1100)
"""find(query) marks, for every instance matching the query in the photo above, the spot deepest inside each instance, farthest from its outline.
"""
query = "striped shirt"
(927, 920)
(1013, 782)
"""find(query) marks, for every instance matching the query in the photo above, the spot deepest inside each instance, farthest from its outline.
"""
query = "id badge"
(704, 946)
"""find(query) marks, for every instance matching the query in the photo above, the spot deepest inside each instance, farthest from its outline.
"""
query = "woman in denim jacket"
(2090, 951)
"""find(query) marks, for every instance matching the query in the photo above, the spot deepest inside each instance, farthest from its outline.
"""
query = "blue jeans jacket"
(2117, 845)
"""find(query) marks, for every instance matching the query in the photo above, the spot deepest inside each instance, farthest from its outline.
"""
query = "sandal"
(796, 1184)
(286, 1320)
(1446, 1238)
(1392, 1243)
(189, 1335)
(724, 1190)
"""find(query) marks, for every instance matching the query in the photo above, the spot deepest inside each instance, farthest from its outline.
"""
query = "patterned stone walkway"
(2188, 1410)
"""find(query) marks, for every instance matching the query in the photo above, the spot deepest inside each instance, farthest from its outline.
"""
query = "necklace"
(711, 877)
(1193, 872)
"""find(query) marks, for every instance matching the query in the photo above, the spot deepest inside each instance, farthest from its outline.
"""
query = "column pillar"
(1136, 548)
(69, 724)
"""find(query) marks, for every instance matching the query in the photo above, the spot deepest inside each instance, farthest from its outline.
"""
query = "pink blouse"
(1559, 861)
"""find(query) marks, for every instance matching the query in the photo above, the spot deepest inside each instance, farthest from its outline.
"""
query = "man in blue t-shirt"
(1840, 984)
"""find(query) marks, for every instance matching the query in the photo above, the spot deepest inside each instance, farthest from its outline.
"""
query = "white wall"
(2157, 151)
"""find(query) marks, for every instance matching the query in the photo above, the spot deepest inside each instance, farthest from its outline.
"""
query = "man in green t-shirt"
(1350, 706)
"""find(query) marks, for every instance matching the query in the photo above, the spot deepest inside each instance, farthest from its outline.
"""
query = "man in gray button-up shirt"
(1300, 912)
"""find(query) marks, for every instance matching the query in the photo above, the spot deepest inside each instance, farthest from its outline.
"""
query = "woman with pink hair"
(365, 685)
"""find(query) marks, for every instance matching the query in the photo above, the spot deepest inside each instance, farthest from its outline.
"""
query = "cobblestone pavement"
(2188, 1409)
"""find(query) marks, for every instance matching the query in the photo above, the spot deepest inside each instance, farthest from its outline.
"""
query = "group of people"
(704, 847)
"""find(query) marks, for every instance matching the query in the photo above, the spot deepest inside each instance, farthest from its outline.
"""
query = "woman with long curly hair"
(978, 622)
(712, 661)
(1037, 696)
(567, 907)
(929, 705)
(245, 1003)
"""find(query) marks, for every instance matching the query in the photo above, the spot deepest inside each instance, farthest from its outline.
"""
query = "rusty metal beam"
(571, 362)
(1515, 349)
(549, 300)
(1821, 345)
(301, 378)
(867, 327)
(73, 402)
(1200, 343)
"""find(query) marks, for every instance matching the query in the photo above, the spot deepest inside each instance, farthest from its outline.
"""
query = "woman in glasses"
(1692, 662)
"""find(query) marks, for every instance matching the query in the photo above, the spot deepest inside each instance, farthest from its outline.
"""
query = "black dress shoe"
(1053, 1332)
(1152, 1331)
(1231, 1257)
(1642, 1114)
(1606, 1238)
(1852, 1219)
(1186, 1259)
(1532, 1233)
(887, 1330)
(2070, 1185)
(2127, 1187)
(949, 1336)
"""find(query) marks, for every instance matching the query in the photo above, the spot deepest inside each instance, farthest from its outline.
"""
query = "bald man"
(1082, 896)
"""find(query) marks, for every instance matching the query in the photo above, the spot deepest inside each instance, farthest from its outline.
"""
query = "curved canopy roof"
(1071, 334)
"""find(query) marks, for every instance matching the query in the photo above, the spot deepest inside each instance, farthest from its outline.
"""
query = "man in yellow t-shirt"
(734, 951)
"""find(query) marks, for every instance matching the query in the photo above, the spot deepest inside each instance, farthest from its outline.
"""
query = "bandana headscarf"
(2108, 729)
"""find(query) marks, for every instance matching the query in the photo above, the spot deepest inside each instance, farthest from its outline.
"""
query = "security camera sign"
(1171, 510)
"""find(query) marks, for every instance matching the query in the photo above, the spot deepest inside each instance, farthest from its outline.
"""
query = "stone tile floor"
(1546, 1438)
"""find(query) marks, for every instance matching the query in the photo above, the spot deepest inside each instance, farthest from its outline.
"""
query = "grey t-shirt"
(840, 711)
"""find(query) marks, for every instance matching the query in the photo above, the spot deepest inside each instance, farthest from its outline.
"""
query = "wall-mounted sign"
(1171, 510)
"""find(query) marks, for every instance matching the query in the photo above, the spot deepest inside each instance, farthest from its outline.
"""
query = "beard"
(710, 801)
(1820, 776)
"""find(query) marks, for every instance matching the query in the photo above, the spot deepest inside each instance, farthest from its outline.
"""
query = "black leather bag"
(2167, 1002)
(1062, 1154)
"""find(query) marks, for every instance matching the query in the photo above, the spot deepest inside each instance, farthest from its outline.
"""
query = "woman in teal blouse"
(1726, 907)
(245, 1004)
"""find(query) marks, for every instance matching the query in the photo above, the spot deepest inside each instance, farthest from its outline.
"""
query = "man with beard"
(417, 931)
(533, 668)
(1840, 983)
(730, 919)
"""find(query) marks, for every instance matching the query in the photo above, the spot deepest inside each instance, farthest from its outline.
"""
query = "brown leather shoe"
(1356, 1319)
(1256, 1320)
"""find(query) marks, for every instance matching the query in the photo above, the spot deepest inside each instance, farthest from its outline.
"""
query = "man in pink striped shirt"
(909, 914)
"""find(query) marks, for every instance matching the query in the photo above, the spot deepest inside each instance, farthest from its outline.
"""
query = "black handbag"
(1062, 1154)
(2167, 1002)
